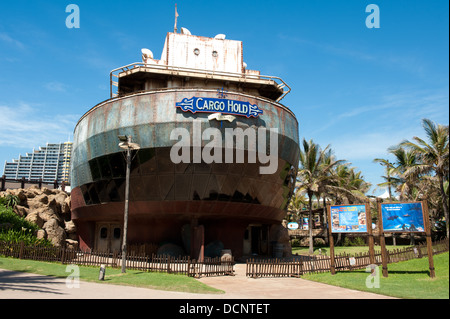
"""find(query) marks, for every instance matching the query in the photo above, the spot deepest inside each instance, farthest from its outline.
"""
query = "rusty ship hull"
(225, 198)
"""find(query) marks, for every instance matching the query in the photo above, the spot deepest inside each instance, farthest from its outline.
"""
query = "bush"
(14, 228)
(9, 201)
(7, 216)
(295, 243)
(356, 241)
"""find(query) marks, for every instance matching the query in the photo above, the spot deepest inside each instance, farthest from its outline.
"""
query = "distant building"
(48, 163)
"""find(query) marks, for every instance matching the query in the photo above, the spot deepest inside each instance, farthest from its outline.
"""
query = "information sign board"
(402, 217)
(348, 219)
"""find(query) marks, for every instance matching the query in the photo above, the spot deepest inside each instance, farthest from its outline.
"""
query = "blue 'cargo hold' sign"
(213, 105)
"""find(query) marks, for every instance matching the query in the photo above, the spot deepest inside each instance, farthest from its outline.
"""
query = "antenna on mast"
(176, 18)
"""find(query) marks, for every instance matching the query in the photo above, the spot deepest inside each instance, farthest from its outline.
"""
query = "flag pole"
(176, 18)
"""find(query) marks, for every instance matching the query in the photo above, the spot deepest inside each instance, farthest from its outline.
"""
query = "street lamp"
(126, 144)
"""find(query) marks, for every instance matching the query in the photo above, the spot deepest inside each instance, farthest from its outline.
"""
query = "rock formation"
(49, 209)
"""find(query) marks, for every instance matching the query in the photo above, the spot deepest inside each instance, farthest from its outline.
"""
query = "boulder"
(55, 233)
(47, 191)
(50, 210)
(34, 218)
(41, 234)
(65, 207)
(22, 211)
(71, 244)
(46, 213)
(53, 204)
(41, 199)
(21, 195)
(70, 227)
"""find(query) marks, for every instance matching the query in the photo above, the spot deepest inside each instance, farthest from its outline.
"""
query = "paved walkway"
(17, 285)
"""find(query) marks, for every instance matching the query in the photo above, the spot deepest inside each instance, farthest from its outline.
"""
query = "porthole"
(196, 51)
(215, 54)
(103, 232)
(117, 233)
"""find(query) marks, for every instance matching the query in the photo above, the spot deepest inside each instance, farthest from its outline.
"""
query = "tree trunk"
(325, 220)
(444, 202)
(321, 220)
(310, 225)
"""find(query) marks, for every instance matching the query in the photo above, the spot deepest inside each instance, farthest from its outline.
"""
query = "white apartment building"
(48, 163)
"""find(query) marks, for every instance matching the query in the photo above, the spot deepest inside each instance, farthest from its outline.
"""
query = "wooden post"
(22, 245)
(3, 183)
(426, 220)
(382, 240)
(63, 253)
(370, 234)
(331, 240)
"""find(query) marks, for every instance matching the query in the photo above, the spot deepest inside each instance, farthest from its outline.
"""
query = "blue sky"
(360, 90)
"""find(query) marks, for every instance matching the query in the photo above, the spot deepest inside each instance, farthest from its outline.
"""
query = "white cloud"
(365, 146)
(4, 37)
(56, 87)
(401, 111)
(25, 126)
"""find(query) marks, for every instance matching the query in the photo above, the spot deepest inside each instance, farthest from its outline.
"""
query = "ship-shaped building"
(217, 159)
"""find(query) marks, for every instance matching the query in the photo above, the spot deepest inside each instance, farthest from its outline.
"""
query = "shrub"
(8, 216)
(295, 243)
(356, 241)
(9, 200)
(16, 229)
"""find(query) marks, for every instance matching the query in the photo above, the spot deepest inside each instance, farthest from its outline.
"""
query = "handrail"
(130, 66)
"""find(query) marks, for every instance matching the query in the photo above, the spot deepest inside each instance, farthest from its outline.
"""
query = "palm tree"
(358, 186)
(297, 202)
(308, 176)
(314, 175)
(405, 186)
(389, 180)
(327, 183)
(349, 185)
(433, 156)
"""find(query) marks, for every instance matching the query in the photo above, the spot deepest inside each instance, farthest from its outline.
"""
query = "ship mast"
(176, 18)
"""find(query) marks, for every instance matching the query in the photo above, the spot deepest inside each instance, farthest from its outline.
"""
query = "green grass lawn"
(153, 280)
(408, 279)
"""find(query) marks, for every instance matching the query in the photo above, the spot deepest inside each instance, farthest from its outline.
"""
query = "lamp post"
(126, 144)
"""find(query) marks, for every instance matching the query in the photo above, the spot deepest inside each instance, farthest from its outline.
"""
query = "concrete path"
(17, 285)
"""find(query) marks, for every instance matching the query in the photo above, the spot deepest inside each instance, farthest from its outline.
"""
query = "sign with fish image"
(402, 217)
(410, 218)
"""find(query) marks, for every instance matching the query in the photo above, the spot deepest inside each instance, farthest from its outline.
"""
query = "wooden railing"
(299, 265)
(174, 265)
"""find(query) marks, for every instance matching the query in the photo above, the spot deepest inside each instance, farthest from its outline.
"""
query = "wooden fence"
(299, 265)
(155, 263)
